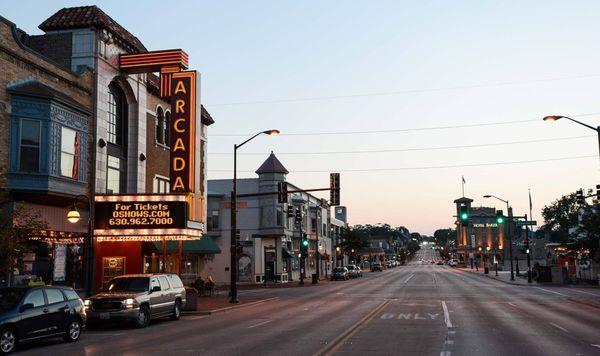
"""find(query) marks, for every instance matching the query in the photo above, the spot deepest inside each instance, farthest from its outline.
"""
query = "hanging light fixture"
(73, 215)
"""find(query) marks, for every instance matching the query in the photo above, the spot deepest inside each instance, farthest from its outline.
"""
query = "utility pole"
(528, 251)
(510, 243)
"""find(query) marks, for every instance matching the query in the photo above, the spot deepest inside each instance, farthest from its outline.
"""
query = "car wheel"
(176, 311)
(8, 341)
(73, 331)
(143, 318)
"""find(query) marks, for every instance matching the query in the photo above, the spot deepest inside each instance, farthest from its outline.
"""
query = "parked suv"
(353, 271)
(33, 313)
(376, 267)
(340, 273)
(138, 298)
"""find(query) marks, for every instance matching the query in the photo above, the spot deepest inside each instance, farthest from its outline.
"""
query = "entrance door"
(270, 259)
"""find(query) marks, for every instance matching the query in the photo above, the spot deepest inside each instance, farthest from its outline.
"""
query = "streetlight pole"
(234, 236)
(73, 217)
(558, 117)
(510, 246)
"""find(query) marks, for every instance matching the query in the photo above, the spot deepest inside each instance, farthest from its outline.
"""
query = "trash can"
(545, 274)
(191, 299)
(314, 278)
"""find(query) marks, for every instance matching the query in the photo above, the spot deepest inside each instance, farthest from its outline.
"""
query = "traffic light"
(304, 245)
(334, 189)
(499, 217)
(290, 211)
(598, 191)
(298, 217)
(464, 215)
(282, 194)
(579, 197)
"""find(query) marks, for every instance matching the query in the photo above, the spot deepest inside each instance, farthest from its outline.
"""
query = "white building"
(270, 240)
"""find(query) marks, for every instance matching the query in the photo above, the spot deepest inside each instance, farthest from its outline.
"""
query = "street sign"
(527, 223)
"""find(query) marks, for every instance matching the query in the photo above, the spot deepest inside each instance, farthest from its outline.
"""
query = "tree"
(443, 237)
(353, 241)
(560, 216)
(588, 232)
(17, 225)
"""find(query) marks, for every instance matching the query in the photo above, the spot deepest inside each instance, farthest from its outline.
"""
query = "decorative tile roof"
(90, 16)
(272, 165)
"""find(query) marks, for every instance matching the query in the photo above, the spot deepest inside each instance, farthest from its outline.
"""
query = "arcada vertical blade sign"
(183, 131)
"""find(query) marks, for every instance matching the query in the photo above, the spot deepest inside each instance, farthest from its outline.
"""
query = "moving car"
(452, 263)
(340, 273)
(376, 267)
(33, 313)
(138, 298)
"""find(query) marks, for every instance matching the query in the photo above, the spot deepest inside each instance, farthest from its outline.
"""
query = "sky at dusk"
(329, 73)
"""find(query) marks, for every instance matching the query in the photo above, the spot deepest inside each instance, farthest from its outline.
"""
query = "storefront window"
(68, 153)
(29, 151)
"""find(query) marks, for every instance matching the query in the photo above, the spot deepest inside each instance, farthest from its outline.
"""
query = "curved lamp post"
(73, 216)
(233, 264)
(558, 117)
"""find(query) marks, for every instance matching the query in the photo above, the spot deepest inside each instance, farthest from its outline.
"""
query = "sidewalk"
(503, 276)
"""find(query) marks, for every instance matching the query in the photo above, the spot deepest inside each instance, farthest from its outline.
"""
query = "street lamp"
(558, 117)
(73, 216)
(233, 265)
(510, 255)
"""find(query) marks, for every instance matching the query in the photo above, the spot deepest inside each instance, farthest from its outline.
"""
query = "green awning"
(205, 245)
(286, 253)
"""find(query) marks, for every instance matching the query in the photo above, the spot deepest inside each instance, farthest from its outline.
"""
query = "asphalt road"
(418, 309)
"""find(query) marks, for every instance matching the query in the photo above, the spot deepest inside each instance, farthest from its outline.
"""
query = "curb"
(223, 310)
(498, 279)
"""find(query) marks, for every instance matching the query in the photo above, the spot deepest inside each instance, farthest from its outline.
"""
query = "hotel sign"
(140, 215)
(486, 225)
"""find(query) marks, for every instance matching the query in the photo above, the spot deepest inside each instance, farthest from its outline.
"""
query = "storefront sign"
(140, 215)
(183, 129)
(486, 225)
(60, 263)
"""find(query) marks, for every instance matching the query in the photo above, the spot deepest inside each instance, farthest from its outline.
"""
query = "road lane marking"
(446, 315)
(598, 346)
(335, 344)
(196, 317)
(551, 291)
(512, 304)
(259, 324)
(559, 327)
(408, 279)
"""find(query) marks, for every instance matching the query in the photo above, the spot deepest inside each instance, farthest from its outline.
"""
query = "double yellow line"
(339, 341)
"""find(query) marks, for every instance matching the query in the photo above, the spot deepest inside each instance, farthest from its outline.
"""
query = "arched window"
(116, 162)
(160, 122)
(167, 128)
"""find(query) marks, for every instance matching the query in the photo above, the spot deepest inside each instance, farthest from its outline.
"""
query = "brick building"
(45, 146)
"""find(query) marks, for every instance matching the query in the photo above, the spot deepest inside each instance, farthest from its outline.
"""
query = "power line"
(431, 128)
(402, 92)
(423, 167)
(408, 149)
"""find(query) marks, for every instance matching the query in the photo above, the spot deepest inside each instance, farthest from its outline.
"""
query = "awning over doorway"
(286, 253)
(206, 245)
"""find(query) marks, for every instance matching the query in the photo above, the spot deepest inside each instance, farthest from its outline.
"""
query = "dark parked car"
(33, 313)
(376, 267)
(340, 273)
(138, 298)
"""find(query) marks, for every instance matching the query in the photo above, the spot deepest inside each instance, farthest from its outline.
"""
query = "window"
(161, 184)
(70, 294)
(69, 150)
(160, 123)
(212, 220)
(117, 115)
(113, 175)
(154, 283)
(280, 216)
(325, 230)
(29, 151)
(54, 296)
(313, 225)
(164, 285)
(36, 297)
(167, 128)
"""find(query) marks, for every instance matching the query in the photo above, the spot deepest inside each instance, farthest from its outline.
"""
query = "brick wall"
(157, 155)
(56, 46)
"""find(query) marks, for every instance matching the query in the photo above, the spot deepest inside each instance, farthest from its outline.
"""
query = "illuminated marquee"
(138, 215)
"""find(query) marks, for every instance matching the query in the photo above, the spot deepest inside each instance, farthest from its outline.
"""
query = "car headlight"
(128, 303)
(87, 303)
